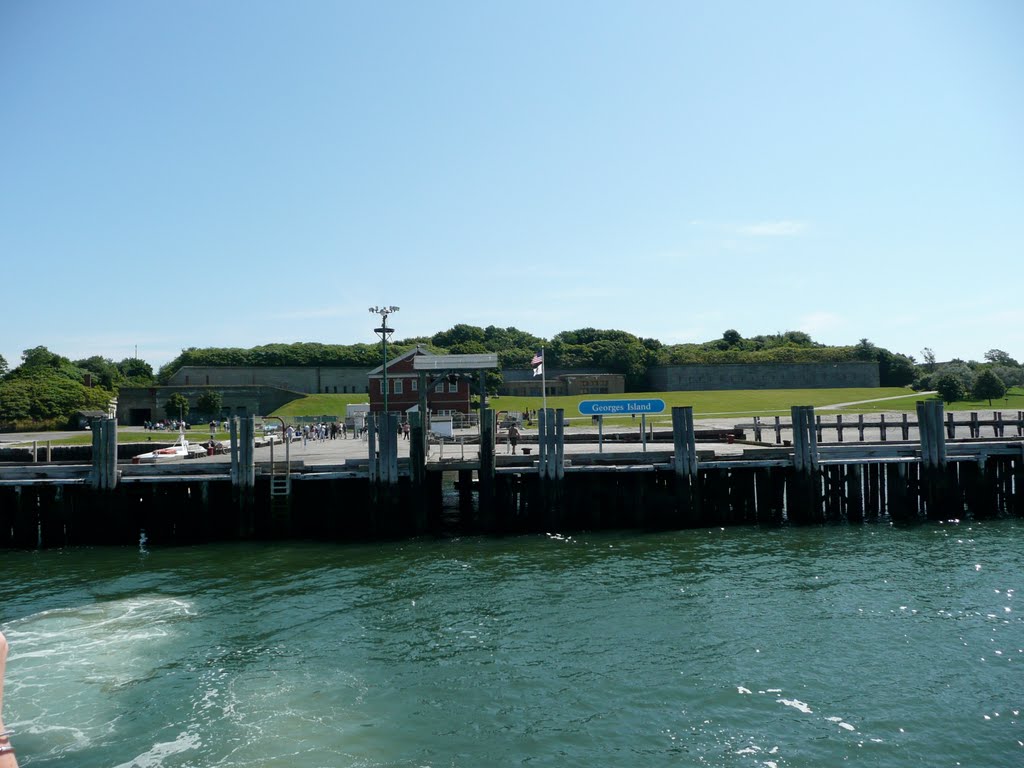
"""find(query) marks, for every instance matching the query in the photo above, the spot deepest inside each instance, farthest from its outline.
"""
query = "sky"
(240, 172)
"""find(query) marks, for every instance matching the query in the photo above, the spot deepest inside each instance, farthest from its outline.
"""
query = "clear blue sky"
(238, 173)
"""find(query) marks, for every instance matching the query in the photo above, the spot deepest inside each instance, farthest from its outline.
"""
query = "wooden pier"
(799, 481)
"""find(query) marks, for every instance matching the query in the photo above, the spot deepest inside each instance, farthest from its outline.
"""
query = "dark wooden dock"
(797, 481)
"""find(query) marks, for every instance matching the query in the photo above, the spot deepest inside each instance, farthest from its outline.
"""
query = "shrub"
(950, 388)
(988, 386)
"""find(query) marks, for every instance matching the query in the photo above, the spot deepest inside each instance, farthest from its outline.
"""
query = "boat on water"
(179, 450)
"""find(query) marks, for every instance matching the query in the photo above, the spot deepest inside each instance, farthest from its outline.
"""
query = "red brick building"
(444, 397)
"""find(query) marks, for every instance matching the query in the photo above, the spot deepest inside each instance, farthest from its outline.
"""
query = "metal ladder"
(280, 484)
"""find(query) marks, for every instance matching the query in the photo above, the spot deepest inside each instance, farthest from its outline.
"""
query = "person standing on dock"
(513, 438)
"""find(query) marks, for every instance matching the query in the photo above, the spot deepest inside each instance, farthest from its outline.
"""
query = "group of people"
(320, 431)
(335, 430)
(171, 424)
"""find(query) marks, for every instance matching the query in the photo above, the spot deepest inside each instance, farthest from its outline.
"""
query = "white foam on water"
(67, 664)
(154, 756)
(796, 704)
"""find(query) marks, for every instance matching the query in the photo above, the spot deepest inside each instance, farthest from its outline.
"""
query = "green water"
(867, 645)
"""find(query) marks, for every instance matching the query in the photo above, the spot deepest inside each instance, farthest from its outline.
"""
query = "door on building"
(139, 416)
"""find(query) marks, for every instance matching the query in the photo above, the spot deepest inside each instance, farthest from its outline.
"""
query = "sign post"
(602, 408)
(642, 406)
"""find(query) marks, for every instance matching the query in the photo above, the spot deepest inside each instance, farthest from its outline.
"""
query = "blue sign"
(621, 407)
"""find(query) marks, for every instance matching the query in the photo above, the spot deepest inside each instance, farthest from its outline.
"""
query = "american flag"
(537, 359)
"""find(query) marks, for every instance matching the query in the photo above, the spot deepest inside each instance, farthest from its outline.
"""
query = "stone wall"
(670, 378)
(308, 380)
(660, 378)
(138, 404)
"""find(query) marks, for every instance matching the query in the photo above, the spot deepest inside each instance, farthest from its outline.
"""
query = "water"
(869, 645)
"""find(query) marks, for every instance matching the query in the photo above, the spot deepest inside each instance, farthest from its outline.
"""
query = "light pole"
(384, 332)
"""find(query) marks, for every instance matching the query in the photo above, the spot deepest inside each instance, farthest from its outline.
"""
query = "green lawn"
(1011, 403)
(742, 404)
(739, 403)
(319, 405)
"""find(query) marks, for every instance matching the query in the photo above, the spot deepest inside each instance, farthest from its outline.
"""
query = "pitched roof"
(378, 371)
(457, 362)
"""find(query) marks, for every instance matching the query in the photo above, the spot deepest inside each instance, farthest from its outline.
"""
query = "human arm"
(7, 758)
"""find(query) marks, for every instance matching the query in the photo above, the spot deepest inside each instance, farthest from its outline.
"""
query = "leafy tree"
(176, 407)
(104, 371)
(799, 339)
(459, 334)
(1012, 376)
(956, 368)
(41, 357)
(44, 394)
(895, 370)
(210, 403)
(3, 367)
(950, 388)
(468, 348)
(929, 358)
(137, 371)
(47, 387)
(988, 386)
(1000, 357)
(732, 338)
(865, 350)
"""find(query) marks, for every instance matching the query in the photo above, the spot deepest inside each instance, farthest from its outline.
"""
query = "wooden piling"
(938, 493)
(804, 500)
(684, 464)
(551, 466)
(243, 472)
(485, 474)
(104, 454)
(418, 472)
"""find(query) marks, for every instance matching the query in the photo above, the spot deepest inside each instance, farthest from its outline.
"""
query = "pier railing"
(885, 428)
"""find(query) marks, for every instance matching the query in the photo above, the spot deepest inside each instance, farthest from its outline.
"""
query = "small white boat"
(179, 450)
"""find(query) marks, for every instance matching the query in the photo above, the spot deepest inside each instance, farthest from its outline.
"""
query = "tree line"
(47, 388)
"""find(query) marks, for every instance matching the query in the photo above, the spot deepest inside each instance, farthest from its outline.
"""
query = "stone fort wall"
(669, 378)
(136, 405)
(308, 380)
(666, 378)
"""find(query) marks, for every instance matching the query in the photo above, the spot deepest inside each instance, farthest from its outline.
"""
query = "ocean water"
(861, 645)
